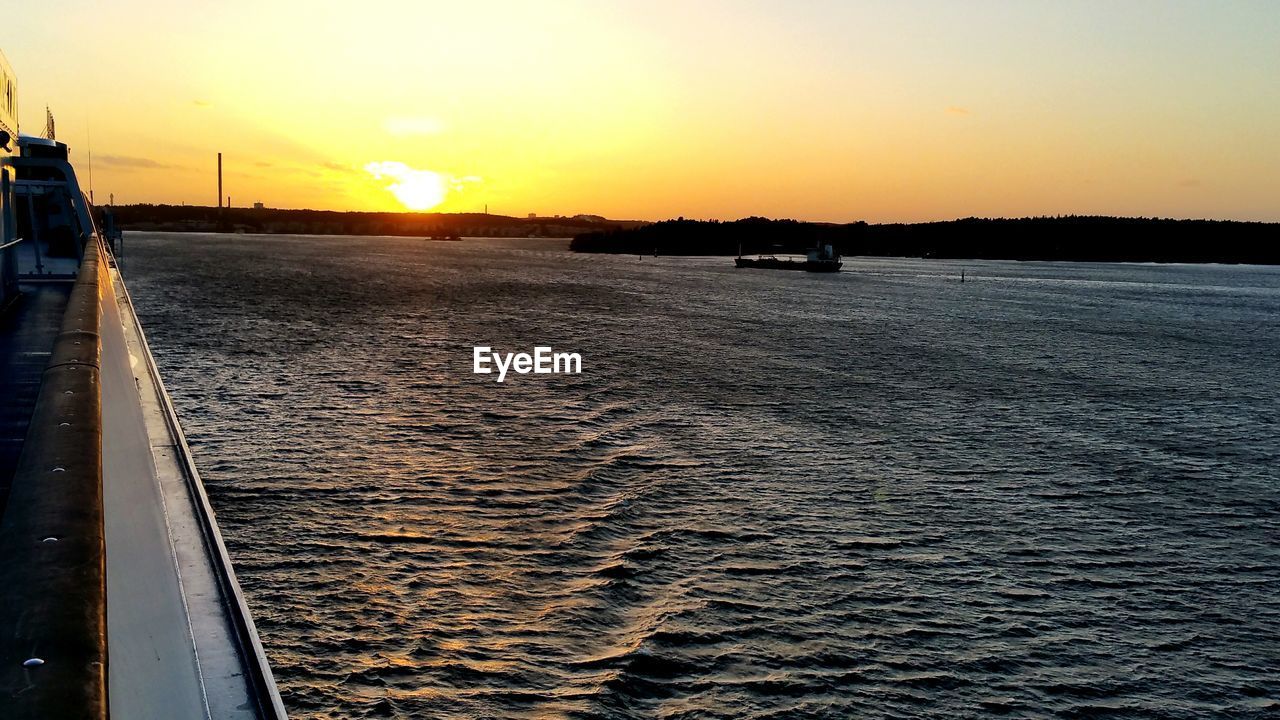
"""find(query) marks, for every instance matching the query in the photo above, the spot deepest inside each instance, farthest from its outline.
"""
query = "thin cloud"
(460, 183)
(127, 162)
(957, 110)
(338, 167)
(402, 126)
(202, 103)
(1190, 182)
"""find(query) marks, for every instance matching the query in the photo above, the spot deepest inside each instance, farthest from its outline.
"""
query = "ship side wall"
(53, 641)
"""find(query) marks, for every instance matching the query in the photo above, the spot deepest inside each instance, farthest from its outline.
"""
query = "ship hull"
(775, 264)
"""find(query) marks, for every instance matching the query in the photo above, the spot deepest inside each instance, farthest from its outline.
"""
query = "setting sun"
(822, 110)
(415, 189)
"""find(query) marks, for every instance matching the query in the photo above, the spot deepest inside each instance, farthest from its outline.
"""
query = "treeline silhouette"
(1081, 238)
(197, 218)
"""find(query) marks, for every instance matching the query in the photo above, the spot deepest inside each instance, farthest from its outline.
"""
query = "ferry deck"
(117, 596)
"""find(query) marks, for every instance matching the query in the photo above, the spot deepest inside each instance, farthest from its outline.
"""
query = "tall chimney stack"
(219, 181)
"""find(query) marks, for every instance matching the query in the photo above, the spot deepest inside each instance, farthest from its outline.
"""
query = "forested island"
(1080, 238)
(1073, 237)
(197, 218)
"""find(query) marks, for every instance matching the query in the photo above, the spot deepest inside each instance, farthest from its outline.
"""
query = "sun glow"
(649, 109)
(415, 189)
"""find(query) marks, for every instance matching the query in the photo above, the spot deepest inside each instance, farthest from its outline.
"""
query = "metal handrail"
(11, 244)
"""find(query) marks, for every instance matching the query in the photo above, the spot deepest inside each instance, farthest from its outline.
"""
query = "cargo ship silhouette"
(822, 258)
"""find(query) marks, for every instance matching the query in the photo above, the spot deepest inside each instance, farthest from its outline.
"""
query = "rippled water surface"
(1049, 490)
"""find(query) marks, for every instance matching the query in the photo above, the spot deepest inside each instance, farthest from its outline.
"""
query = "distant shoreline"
(200, 218)
(1068, 238)
(1073, 238)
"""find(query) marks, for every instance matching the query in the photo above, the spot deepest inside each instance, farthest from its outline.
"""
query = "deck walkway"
(180, 641)
(27, 331)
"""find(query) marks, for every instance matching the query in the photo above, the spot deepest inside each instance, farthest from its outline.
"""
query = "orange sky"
(818, 110)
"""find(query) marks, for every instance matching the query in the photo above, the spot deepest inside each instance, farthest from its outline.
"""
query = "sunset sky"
(839, 110)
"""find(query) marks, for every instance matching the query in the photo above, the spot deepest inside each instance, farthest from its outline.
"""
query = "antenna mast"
(89, 142)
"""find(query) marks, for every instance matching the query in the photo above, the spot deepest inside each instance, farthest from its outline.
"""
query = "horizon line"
(715, 219)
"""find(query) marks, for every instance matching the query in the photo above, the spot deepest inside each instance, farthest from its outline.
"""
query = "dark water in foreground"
(1051, 490)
